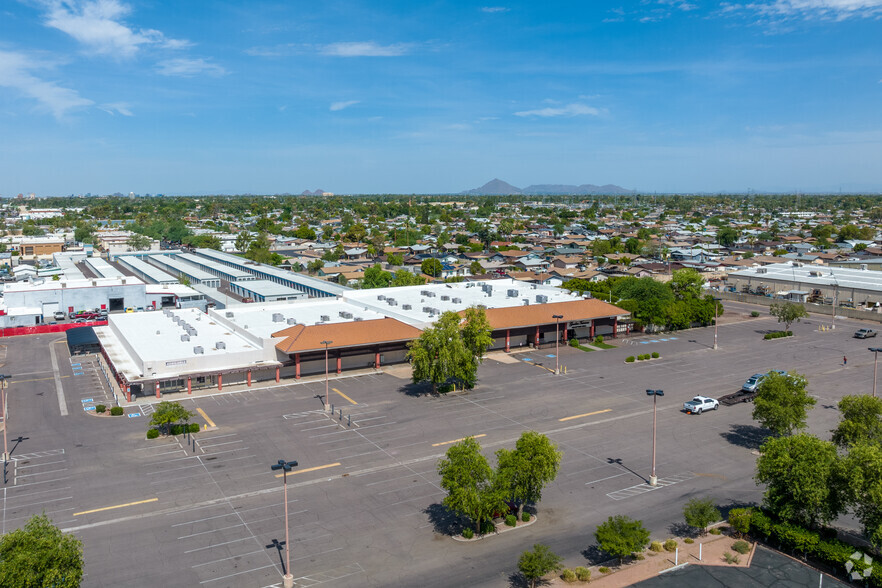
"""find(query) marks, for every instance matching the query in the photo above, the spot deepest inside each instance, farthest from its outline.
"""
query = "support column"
(249, 378)
(507, 340)
(157, 390)
(536, 340)
(592, 329)
(615, 327)
(220, 381)
(565, 330)
(377, 360)
(189, 385)
(339, 364)
(278, 374)
(296, 366)
(128, 393)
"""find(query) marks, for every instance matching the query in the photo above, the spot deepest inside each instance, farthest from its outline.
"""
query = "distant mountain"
(497, 187)
(318, 192)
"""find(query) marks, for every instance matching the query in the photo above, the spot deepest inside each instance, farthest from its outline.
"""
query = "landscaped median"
(101, 410)
(643, 357)
(500, 525)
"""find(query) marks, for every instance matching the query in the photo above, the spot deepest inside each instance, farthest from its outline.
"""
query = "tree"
(700, 513)
(476, 332)
(786, 312)
(633, 246)
(302, 232)
(727, 236)
(83, 233)
(431, 267)
(782, 402)
(439, 353)
(861, 421)
(138, 242)
(863, 472)
(395, 259)
(739, 520)
(40, 555)
(475, 268)
(404, 277)
(317, 264)
(470, 482)
(686, 284)
(803, 479)
(621, 536)
(376, 277)
(535, 564)
(168, 413)
(532, 465)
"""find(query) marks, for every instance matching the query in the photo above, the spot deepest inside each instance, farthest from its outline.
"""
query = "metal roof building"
(857, 286)
(265, 291)
(214, 268)
(180, 268)
(149, 273)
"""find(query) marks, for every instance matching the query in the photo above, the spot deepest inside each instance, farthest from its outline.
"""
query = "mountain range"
(497, 187)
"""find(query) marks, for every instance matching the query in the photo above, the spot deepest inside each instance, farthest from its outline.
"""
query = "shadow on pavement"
(416, 390)
(444, 520)
(595, 556)
(747, 436)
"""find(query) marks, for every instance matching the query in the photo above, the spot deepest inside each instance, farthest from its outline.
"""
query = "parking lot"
(364, 500)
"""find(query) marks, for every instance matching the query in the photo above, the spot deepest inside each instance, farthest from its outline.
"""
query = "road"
(364, 501)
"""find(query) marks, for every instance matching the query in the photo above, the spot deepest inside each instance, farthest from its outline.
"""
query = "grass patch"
(603, 345)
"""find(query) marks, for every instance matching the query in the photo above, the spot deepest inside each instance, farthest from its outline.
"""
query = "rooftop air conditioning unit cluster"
(292, 321)
(185, 337)
(406, 307)
(456, 300)
(325, 318)
(445, 297)
(541, 298)
(198, 350)
(513, 293)
(278, 317)
(220, 345)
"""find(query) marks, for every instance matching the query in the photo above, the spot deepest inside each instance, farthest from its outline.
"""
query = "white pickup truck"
(699, 404)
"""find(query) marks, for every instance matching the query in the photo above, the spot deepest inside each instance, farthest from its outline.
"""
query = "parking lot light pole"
(715, 321)
(3, 384)
(327, 396)
(285, 466)
(557, 318)
(653, 479)
(875, 351)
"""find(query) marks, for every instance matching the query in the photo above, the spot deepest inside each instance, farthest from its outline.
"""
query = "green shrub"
(177, 429)
(730, 558)
(568, 576)
(604, 570)
(468, 533)
(795, 537)
(574, 342)
(656, 546)
(193, 427)
(761, 523)
(598, 339)
(833, 552)
(629, 359)
(655, 355)
(152, 434)
(670, 545)
(583, 574)
(487, 527)
(640, 357)
(511, 520)
(525, 517)
(100, 408)
(689, 540)
(754, 314)
(715, 531)
(117, 411)
(639, 556)
(739, 519)
(741, 547)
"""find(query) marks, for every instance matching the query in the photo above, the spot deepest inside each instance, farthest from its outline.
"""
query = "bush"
(511, 520)
(177, 429)
(525, 517)
(117, 411)
(568, 576)
(583, 574)
(468, 533)
(777, 335)
(193, 427)
(795, 537)
(715, 531)
(656, 546)
(731, 559)
(739, 519)
(487, 527)
(629, 359)
(689, 540)
(639, 556)
(761, 523)
(603, 570)
(670, 545)
(741, 547)
(574, 342)
(655, 355)
(598, 339)
(754, 314)
(152, 434)
(100, 408)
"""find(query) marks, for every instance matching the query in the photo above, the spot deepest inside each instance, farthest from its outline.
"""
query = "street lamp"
(327, 397)
(3, 384)
(875, 351)
(653, 479)
(715, 321)
(557, 318)
(285, 466)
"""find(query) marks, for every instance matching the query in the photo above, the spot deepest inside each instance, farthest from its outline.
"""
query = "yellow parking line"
(578, 416)
(76, 514)
(344, 396)
(35, 380)
(205, 416)
(458, 440)
(328, 465)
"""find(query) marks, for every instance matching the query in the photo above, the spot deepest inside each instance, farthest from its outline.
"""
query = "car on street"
(700, 404)
(753, 382)
(864, 333)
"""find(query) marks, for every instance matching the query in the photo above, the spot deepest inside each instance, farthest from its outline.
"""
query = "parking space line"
(321, 467)
(205, 416)
(220, 544)
(579, 416)
(76, 514)
(208, 563)
(458, 440)
(344, 396)
(238, 574)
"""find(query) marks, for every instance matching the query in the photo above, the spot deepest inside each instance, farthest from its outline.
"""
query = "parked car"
(755, 380)
(59, 315)
(130, 309)
(864, 333)
(699, 404)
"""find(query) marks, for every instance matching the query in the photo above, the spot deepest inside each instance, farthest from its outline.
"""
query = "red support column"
(377, 360)
(615, 327)
(592, 329)
(278, 373)
(536, 340)
(157, 390)
(339, 364)
(128, 393)
(565, 329)
(220, 381)
(189, 385)
(507, 340)
(296, 366)
(249, 378)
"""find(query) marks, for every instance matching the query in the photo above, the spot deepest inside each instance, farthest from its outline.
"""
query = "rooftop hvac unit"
(430, 294)
(347, 315)
(541, 298)
(292, 321)
(220, 345)
(762, 270)
(526, 301)
(325, 318)
(342, 313)
(406, 307)
(176, 319)
(513, 293)
(427, 309)
(228, 314)
(534, 286)
(358, 318)
(381, 297)
(198, 350)
(864, 267)
(185, 337)
(278, 317)
(456, 300)
(445, 297)
(393, 303)
(424, 292)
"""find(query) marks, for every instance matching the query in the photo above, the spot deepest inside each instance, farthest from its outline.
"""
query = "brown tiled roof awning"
(541, 314)
(301, 338)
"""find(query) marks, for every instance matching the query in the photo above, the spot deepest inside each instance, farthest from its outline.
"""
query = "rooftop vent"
(278, 317)
(762, 270)
(325, 318)
(292, 321)
(358, 318)
(541, 298)
(185, 337)
(513, 293)
(406, 307)
(445, 297)
(456, 300)
(220, 345)
(381, 297)
(228, 314)
(198, 350)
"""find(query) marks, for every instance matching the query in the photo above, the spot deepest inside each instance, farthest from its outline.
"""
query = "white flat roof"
(268, 288)
(183, 267)
(150, 271)
(177, 289)
(818, 275)
(70, 283)
(236, 274)
(258, 318)
(103, 268)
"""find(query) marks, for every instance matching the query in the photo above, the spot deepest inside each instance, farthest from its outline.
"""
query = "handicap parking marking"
(88, 408)
(552, 355)
(85, 400)
(526, 359)
(134, 415)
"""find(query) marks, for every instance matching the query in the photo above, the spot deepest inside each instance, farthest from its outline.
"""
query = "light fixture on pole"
(716, 300)
(875, 351)
(557, 318)
(285, 466)
(327, 396)
(3, 407)
(653, 479)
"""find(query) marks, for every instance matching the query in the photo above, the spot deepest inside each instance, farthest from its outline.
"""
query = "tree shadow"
(747, 436)
(683, 530)
(444, 521)
(595, 556)
(416, 390)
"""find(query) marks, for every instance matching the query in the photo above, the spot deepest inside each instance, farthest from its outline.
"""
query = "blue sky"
(200, 97)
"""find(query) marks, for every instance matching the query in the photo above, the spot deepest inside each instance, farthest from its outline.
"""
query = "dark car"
(864, 333)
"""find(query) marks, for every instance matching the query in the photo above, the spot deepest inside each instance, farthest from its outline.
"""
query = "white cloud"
(364, 49)
(335, 106)
(117, 108)
(186, 68)
(99, 25)
(568, 110)
(16, 72)
(494, 9)
(808, 9)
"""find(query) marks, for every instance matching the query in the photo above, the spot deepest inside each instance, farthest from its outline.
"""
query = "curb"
(504, 529)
